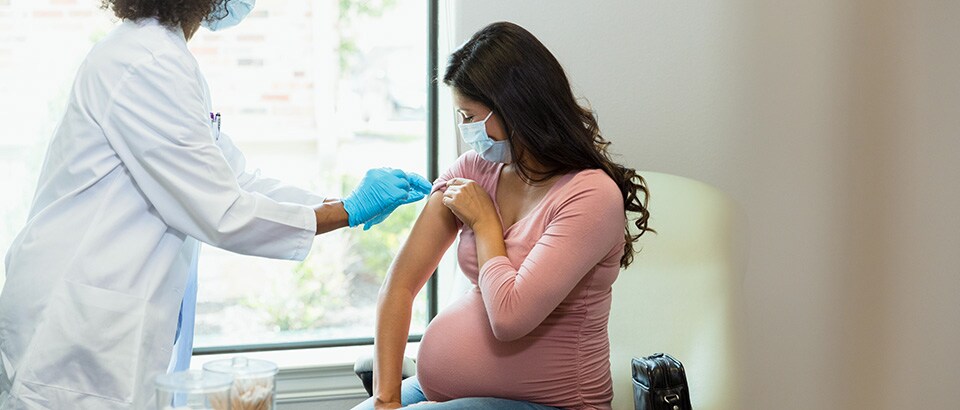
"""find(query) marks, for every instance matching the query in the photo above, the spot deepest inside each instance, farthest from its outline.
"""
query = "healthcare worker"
(101, 281)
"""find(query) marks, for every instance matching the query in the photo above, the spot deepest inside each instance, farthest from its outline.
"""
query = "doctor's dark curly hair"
(171, 13)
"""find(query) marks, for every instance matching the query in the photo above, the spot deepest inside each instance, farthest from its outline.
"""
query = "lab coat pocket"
(88, 343)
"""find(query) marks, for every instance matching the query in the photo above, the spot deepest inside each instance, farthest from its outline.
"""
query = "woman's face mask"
(236, 11)
(475, 135)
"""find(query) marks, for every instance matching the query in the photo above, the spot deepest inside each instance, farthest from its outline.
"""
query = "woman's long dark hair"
(507, 69)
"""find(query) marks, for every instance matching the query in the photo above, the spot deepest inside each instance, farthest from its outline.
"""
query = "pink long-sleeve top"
(534, 325)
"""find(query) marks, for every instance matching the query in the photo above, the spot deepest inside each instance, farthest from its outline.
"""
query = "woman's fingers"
(451, 191)
(458, 182)
(465, 198)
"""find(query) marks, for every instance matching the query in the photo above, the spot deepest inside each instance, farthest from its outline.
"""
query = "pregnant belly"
(460, 357)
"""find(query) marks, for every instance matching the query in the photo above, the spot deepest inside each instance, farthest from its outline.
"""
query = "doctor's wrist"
(331, 216)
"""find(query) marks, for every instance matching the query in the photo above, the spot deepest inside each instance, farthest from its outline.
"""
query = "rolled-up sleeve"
(464, 167)
(157, 124)
(455, 171)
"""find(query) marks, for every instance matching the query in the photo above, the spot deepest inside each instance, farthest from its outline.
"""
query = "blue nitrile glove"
(419, 188)
(380, 192)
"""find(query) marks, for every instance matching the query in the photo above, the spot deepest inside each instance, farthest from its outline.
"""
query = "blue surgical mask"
(475, 135)
(236, 11)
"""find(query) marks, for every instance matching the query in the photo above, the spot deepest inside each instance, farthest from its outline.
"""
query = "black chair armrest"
(363, 367)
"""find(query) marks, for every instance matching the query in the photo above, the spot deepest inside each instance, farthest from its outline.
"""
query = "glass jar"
(254, 386)
(193, 390)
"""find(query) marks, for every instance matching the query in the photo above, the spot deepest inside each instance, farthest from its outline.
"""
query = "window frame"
(432, 120)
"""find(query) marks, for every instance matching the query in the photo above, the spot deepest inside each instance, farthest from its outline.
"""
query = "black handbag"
(659, 383)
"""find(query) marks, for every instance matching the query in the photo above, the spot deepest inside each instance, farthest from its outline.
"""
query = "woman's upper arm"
(430, 237)
(432, 234)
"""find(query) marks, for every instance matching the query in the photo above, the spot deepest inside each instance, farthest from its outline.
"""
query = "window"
(313, 92)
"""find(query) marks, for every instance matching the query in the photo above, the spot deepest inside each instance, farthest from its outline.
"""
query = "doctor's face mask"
(228, 14)
(475, 135)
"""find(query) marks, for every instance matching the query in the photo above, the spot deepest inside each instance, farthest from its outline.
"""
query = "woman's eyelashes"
(464, 118)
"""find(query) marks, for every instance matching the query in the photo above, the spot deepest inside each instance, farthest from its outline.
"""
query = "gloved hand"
(419, 188)
(380, 192)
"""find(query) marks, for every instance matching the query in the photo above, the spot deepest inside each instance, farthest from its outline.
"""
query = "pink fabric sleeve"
(586, 227)
(467, 166)
(464, 167)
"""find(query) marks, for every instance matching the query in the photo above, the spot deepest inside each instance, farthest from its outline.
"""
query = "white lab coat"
(134, 177)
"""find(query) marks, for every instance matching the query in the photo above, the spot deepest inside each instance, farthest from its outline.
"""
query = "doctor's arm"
(253, 181)
(380, 192)
(330, 213)
(432, 234)
(157, 125)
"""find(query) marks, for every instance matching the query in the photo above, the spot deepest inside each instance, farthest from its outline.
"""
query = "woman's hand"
(471, 204)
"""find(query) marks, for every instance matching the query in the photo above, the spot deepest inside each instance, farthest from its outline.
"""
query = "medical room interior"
(802, 159)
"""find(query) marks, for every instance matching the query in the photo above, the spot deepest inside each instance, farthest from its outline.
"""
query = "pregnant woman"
(542, 215)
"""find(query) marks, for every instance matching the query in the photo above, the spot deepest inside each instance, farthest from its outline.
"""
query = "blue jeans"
(411, 393)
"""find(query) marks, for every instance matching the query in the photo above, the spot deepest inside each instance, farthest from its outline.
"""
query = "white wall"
(920, 115)
(836, 127)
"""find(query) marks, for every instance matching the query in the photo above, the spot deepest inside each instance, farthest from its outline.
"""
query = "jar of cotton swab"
(253, 382)
(193, 390)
